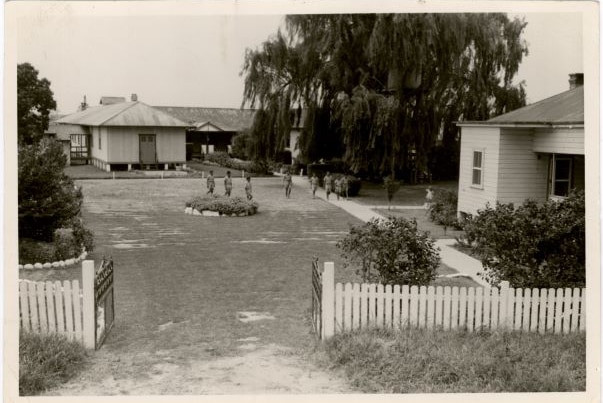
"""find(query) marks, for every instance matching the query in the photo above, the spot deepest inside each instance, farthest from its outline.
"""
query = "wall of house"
(522, 173)
(123, 147)
(559, 140)
(486, 139)
(96, 152)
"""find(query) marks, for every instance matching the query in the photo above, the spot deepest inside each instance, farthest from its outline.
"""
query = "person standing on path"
(428, 197)
(344, 186)
(328, 181)
(227, 184)
(211, 183)
(248, 188)
(288, 181)
(314, 185)
(338, 187)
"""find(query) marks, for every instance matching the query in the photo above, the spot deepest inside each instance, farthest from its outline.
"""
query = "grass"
(46, 361)
(427, 361)
(423, 222)
(373, 194)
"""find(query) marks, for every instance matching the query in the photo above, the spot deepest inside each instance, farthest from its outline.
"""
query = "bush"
(442, 210)
(224, 205)
(47, 197)
(222, 159)
(34, 251)
(46, 361)
(531, 246)
(391, 251)
(64, 244)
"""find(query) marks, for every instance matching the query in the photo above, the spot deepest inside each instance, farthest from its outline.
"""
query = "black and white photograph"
(301, 201)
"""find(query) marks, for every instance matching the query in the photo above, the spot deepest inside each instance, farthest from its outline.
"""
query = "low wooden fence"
(354, 306)
(65, 308)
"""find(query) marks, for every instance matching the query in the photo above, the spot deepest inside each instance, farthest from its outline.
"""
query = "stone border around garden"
(209, 213)
(54, 265)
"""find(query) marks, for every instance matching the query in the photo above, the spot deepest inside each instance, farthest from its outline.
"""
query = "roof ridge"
(131, 104)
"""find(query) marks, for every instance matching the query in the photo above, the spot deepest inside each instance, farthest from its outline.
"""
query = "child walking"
(314, 185)
(288, 181)
(211, 183)
(227, 184)
(328, 184)
(248, 188)
(344, 186)
(338, 187)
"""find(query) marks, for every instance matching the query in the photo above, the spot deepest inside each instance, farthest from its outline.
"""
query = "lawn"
(373, 194)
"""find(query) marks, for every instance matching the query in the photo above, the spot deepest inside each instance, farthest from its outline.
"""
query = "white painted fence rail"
(63, 308)
(356, 306)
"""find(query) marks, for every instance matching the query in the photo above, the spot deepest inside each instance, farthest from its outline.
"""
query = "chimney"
(134, 98)
(576, 80)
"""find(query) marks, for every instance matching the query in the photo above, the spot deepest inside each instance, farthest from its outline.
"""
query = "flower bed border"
(209, 213)
(54, 265)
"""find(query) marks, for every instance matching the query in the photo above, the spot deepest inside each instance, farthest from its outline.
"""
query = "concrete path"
(464, 264)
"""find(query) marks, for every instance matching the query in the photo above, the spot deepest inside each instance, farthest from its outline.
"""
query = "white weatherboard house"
(535, 152)
(125, 135)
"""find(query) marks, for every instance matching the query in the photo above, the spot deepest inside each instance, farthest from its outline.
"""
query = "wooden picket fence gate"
(355, 306)
(66, 309)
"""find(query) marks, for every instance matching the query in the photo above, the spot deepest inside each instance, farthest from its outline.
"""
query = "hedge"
(223, 205)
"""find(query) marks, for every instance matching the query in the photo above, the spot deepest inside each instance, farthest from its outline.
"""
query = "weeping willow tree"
(380, 90)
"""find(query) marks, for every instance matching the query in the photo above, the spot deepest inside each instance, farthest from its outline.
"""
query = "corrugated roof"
(227, 119)
(123, 114)
(564, 108)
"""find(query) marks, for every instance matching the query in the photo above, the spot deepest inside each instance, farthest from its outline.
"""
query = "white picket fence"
(64, 308)
(355, 306)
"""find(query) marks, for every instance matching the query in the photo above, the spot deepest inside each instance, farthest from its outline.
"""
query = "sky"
(197, 60)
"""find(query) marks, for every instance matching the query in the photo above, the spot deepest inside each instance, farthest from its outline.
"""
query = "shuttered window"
(477, 170)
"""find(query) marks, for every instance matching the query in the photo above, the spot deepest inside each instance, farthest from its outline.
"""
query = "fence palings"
(531, 310)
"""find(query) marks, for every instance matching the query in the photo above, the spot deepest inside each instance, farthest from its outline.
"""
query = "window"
(477, 171)
(562, 176)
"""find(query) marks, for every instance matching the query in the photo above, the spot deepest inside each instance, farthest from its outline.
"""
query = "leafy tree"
(34, 103)
(379, 89)
(531, 245)
(48, 199)
(391, 251)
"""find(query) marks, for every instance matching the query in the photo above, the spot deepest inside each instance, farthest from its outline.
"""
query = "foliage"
(46, 361)
(531, 246)
(34, 103)
(69, 242)
(442, 209)
(224, 205)
(34, 251)
(224, 160)
(354, 184)
(428, 361)
(241, 145)
(381, 113)
(391, 251)
(48, 199)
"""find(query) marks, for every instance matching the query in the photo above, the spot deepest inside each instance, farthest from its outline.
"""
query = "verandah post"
(503, 317)
(328, 300)
(88, 311)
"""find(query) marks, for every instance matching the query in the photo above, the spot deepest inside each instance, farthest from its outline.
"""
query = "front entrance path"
(187, 287)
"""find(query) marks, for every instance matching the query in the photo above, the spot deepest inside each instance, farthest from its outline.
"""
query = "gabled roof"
(226, 119)
(123, 114)
(566, 108)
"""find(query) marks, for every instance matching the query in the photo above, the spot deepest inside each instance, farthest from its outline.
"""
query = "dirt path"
(208, 305)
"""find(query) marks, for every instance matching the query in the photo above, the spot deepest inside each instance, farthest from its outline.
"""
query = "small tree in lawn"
(34, 103)
(391, 251)
(391, 188)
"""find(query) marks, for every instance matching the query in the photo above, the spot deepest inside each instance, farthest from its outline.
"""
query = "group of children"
(341, 185)
(211, 185)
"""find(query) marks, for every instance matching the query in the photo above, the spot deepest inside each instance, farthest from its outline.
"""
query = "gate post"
(503, 317)
(328, 300)
(88, 308)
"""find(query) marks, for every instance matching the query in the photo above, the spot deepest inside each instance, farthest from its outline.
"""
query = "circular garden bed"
(221, 206)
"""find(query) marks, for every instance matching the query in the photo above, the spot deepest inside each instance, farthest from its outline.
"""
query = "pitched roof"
(564, 108)
(123, 114)
(227, 119)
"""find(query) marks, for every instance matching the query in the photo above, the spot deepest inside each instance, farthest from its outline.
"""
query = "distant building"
(535, 152)
(123, 135)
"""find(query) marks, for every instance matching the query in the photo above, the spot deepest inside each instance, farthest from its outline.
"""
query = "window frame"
(554, 180)
(479, 168)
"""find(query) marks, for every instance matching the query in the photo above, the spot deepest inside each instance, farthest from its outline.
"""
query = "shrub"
(531, 246)
(46, 361)
(34, 251)
(442, 210)
(222, 159)
(391, 251)
(47, 197)
(224, 205)
(64, 244)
